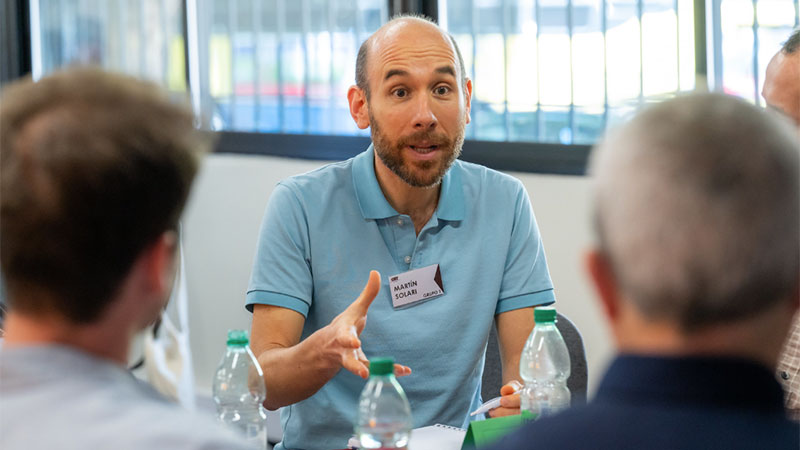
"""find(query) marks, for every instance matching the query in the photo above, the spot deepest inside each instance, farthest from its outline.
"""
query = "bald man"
(782, 93)
(781, 88)
(446, 248)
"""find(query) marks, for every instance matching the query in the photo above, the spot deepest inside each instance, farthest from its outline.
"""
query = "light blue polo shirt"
(323, 232)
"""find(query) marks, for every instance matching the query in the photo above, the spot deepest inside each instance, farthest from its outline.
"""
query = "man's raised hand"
(346, 328)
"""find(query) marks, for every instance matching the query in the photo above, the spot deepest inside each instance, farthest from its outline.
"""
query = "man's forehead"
(392, 43)
(782, 75)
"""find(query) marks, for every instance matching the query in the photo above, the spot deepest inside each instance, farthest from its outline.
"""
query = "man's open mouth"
(424, 148)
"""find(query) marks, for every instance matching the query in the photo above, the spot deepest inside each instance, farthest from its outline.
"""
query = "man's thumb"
(367, 295)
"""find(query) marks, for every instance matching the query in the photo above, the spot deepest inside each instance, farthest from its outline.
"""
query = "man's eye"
(400, 93)
(442, 90)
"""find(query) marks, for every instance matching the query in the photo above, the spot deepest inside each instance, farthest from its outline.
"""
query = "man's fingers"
(510, 387)
(355, 366)
(349, 339)
(510, 401)
(362, 357)
(401, 370)
(361, 304)
(501, 412)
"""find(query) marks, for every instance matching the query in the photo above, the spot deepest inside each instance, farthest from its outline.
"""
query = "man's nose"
(424, 117)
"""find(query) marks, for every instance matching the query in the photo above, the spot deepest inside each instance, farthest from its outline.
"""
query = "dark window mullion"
(255, 12)
(756, 95)
(231, 25)
(474, 33)
(539, 118)
(716, 23)
(82, 31)
(570, 30)
(305, 19)
(162, 19)
(677, 45)
(506, 26)
(796, 13)
(331, 77)
(604, 26)
(64, 31)
(639, 14)
(140, 37)
(104, 13)
(280, 17)
(359, 29)
(122, 29)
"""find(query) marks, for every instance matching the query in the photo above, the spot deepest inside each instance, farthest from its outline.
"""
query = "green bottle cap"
(237, 338)
(381, 366)
(544, 315)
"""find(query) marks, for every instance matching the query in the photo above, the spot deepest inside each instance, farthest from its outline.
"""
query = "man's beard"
(423, 174)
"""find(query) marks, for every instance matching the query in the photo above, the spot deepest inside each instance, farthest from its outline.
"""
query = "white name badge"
(416, 285)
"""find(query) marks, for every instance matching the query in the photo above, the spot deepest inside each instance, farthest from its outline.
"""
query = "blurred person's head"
(781, 88)
(412, 90)
(696, 210)
(95, 169)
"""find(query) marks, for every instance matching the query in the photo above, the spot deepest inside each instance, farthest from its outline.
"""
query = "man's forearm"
(293, 374)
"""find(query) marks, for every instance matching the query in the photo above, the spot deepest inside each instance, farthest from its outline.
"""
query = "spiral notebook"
(434, 437)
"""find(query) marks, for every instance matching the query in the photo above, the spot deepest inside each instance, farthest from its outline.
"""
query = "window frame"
(528, 157)
(543, 158)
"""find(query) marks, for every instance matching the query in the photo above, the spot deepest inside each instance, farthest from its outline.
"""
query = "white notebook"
(434, 437)
(437, 437)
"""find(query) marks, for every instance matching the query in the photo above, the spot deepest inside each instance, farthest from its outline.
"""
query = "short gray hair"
(698, 211)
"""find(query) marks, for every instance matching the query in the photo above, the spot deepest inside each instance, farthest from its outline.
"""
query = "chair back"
(577, 381)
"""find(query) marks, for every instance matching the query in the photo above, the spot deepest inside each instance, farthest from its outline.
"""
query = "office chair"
(577, 381)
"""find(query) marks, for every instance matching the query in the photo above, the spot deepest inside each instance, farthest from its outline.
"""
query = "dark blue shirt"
(671, 403)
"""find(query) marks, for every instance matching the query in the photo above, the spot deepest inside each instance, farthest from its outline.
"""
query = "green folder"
(483, 432)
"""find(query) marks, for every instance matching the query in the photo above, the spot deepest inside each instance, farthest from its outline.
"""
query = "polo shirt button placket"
(407, 259)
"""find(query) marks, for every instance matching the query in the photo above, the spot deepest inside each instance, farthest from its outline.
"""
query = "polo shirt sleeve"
(282, 268)
(526, 278)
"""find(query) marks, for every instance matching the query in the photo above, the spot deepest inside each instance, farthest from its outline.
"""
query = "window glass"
(282, 66)
(553, 71)
(562, 70)
(138, 37)
(750, 37)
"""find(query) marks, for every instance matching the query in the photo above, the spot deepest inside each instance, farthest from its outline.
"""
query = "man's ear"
(599, 269)
(468, 97)
(161, 259)
(359, 108)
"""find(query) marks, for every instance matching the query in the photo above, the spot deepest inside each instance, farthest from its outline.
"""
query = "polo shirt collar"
(374, 205)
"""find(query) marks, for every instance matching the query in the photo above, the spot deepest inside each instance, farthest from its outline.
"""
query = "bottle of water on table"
(544, 367)
(239, 390)
(384, 416)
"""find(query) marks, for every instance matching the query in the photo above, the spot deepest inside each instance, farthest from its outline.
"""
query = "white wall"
(221, 227)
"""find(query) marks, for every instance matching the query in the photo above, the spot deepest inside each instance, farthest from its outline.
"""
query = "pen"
(489, 405)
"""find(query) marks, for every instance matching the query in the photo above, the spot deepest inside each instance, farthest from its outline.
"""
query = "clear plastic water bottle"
(544, 367)
(384, 417)
(239, 390)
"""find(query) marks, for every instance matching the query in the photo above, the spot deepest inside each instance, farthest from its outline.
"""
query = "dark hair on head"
(94, 168)
(361, 59)
(791, 44)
